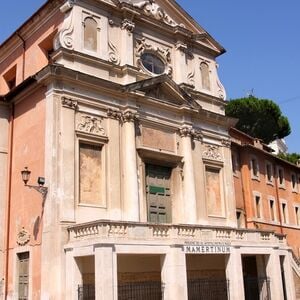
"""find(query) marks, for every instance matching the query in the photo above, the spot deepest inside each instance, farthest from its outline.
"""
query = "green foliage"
(260, 118)
(290, 157)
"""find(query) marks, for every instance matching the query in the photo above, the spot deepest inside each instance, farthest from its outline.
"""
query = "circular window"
(152, 63)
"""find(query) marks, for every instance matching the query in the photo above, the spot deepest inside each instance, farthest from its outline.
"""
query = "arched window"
(205, 75)
(90, 34)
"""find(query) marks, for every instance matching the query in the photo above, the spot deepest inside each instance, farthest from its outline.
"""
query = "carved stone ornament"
(23, 237)
(64, 37)
(114, 114)
(69, 103)
(187, 131)
(89, 124)
(150, 8)
(191, 78)
(221, 89)
(129, 116)
(212, 152)
(113, 54)
(128, 25)
(226, 143)
(164, 54)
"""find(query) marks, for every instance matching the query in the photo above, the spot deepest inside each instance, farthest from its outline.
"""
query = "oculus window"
(153, 63)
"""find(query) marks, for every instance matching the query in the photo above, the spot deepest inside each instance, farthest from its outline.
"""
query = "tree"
(291, 157)
(260, 118)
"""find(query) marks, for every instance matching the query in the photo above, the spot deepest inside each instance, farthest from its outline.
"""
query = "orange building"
(267, 189)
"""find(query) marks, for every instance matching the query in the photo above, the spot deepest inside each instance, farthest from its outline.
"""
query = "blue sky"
(261, 38)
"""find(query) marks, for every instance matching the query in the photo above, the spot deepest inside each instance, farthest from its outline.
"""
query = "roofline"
(17, 31)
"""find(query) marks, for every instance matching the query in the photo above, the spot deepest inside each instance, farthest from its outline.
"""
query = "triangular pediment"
(172, 14)
(164, 89)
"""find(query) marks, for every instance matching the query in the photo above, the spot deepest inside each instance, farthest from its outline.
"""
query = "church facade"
(117, 105)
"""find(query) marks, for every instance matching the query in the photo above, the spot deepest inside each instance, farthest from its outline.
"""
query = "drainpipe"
(8, 208)
(23, 55)
(278, 198)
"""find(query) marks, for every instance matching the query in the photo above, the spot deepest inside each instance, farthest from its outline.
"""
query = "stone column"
(234, 273)
(130, 180)
(104, 273)
(273, 271)
(174, 278)
(189, 192)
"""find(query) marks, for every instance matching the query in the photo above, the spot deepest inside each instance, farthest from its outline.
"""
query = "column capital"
(187, 131)
(129, 116)
(114, 114)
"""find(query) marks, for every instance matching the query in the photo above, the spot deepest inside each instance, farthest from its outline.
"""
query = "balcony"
(133, 232)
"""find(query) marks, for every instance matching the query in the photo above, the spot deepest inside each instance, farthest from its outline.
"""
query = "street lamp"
(41, 181)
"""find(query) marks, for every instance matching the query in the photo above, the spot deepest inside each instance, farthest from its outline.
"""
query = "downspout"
(10, 152)
(23, 55)
(278, 199)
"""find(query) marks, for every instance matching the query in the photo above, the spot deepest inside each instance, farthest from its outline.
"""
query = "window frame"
(272, 208)
(297, 214)
(97, 19)
(101, 141)
(284, 212)
(256, 195)
(294, 188)
(271, 181)
(254, 176)
(280, 184)
(155, 56)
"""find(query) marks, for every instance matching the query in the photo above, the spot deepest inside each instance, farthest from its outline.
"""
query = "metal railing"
(150, 290)
(86, 292)
(208, 289)
(257, 288)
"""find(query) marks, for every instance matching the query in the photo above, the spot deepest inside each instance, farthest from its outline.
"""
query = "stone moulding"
(69, 103)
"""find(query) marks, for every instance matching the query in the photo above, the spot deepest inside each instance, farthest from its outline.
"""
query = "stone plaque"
(158, 139)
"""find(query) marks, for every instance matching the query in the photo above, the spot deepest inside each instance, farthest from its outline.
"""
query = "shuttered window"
(23, 272)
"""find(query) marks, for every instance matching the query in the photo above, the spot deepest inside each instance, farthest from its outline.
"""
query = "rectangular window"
(280, 176)
(284, 213)
(254, 168)
(258, 206)
(294, 182)
(269, 172)
(239, 218)
(23, 276)
(90, 176)
(297, 215)
(272, 210)
(235, 163)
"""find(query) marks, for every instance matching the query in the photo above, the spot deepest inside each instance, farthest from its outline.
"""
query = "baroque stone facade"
(127, 127)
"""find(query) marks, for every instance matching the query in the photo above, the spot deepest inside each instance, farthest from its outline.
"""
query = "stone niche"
(158, 139)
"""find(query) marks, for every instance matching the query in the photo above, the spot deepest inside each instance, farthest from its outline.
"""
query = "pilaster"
(104, 273)
(130, 180)
(234, 273)
(189, 192)
(273, 271)
(174, 276)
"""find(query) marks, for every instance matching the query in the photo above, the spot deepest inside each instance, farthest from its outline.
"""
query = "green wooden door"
(158, 193)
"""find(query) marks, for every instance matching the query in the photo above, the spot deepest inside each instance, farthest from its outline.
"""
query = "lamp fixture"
(41, 181)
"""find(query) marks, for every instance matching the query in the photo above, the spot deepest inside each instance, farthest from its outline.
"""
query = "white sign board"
(207, 248)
